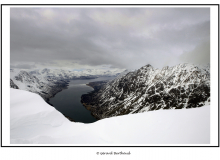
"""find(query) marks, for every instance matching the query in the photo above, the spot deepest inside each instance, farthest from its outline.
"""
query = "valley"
(49, 84)
(68, 101)
(147, 89)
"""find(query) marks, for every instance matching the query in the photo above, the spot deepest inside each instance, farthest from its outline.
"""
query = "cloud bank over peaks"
(118, 37)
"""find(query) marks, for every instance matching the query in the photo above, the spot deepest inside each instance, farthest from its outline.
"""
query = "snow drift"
(33, 121)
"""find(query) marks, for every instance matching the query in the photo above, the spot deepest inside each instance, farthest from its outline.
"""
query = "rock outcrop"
(148, 89)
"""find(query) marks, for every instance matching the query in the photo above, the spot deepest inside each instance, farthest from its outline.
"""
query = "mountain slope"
(12, 85)
(147, 89)
(45, 87)
(32, 121)
(47, 82)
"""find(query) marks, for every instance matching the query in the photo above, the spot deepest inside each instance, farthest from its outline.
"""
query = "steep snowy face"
(55, 74)
(47, 82)
(146, 89)
(46, 88)
(24, 77)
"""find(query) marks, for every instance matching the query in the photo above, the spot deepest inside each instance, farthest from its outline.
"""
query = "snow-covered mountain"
(67, 74)
(147, 89)
(59, 74)
(43, 86)
(32, 121)
(47, 82)
(98, 72)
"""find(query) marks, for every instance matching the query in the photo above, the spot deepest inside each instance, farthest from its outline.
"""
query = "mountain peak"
(147, 89)
(147, 66)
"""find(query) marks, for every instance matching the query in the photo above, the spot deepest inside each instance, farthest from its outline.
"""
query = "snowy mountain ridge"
(43, 86)
(67, 74)
(181, 86)
(47, 82)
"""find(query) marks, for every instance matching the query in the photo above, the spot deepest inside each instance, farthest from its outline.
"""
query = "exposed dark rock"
(147, 89)
(12, 85)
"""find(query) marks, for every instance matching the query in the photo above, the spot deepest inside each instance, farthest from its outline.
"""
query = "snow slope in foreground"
(34, 121)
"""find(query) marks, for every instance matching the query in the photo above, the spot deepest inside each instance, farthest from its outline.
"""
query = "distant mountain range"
(148, 89)
(47, 82)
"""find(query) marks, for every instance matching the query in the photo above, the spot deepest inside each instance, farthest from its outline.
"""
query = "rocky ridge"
(46, 88)
(148, 89)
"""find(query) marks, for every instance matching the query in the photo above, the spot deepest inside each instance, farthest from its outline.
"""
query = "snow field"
(33, 121)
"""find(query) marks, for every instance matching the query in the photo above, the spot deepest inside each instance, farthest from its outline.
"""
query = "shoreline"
(67, 86)
(86, 98)
(88, 107)
(60, 89)
(89, 85)
(96, 87)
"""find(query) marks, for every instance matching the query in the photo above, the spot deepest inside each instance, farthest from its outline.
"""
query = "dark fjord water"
(68, 100)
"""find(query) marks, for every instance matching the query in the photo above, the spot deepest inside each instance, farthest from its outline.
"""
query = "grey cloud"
(23, 66)
(199, 55)
(120, 37)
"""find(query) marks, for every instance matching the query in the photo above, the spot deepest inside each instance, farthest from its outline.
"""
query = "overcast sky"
(80, 38)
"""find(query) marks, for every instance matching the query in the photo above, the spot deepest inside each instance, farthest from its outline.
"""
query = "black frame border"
(109, 5)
